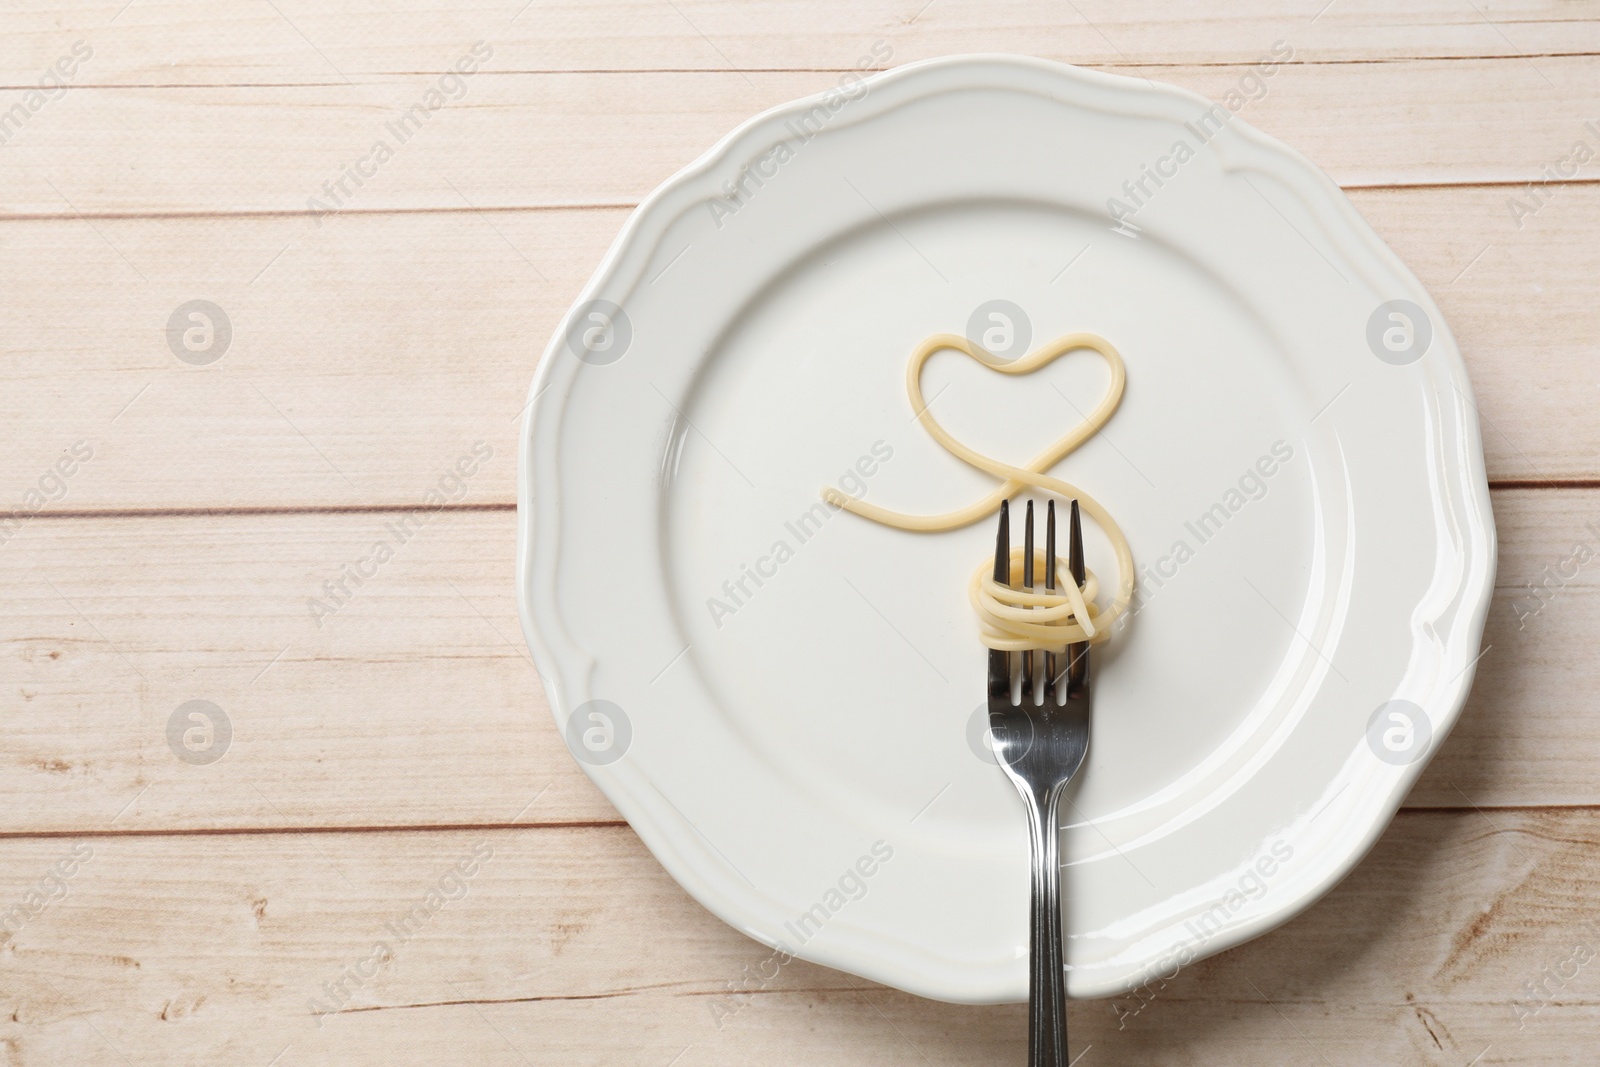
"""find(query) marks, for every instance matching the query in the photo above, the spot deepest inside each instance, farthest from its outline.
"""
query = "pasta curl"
(1011, 618)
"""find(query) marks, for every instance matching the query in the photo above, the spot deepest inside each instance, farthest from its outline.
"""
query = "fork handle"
(1047, 983)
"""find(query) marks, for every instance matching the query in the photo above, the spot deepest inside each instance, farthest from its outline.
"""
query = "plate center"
(846, 653)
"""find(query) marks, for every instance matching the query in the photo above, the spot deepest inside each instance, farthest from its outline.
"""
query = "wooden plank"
(415, 704)
(365, 353)
(362, 355)
(515, 140)
(1536, 684)
(293, 42)
(572, 946)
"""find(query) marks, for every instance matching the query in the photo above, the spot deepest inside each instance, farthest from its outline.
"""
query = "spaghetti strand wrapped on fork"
(1015, 619)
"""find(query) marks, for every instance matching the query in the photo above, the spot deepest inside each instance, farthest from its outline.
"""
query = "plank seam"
(1497, 485)
(261, 831)
(1106, 63)
(629, 205)
(609, 824)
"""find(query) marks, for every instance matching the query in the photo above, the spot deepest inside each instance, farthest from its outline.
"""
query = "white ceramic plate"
(802, 749)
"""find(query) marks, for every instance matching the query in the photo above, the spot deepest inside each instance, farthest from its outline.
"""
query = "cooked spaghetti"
(1011, 618)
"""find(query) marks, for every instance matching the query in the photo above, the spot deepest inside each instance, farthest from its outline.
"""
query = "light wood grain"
(304, 42)
(573, 946)
(365, 354)
(416, 704)
(518, 140)
(371, 351)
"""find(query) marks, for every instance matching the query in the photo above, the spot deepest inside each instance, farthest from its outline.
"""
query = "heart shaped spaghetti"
(1010, 618)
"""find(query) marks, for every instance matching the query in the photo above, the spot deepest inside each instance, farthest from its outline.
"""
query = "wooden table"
(177, 520)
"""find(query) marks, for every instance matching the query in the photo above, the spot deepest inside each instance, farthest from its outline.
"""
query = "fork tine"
(1027, 583)
(1077, 655)
(1002, 547)
(999, 665)
(1050, 586)
(1075, 546)
(1027, 550)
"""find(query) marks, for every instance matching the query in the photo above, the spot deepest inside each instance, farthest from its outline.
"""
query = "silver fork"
(1041, 743)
